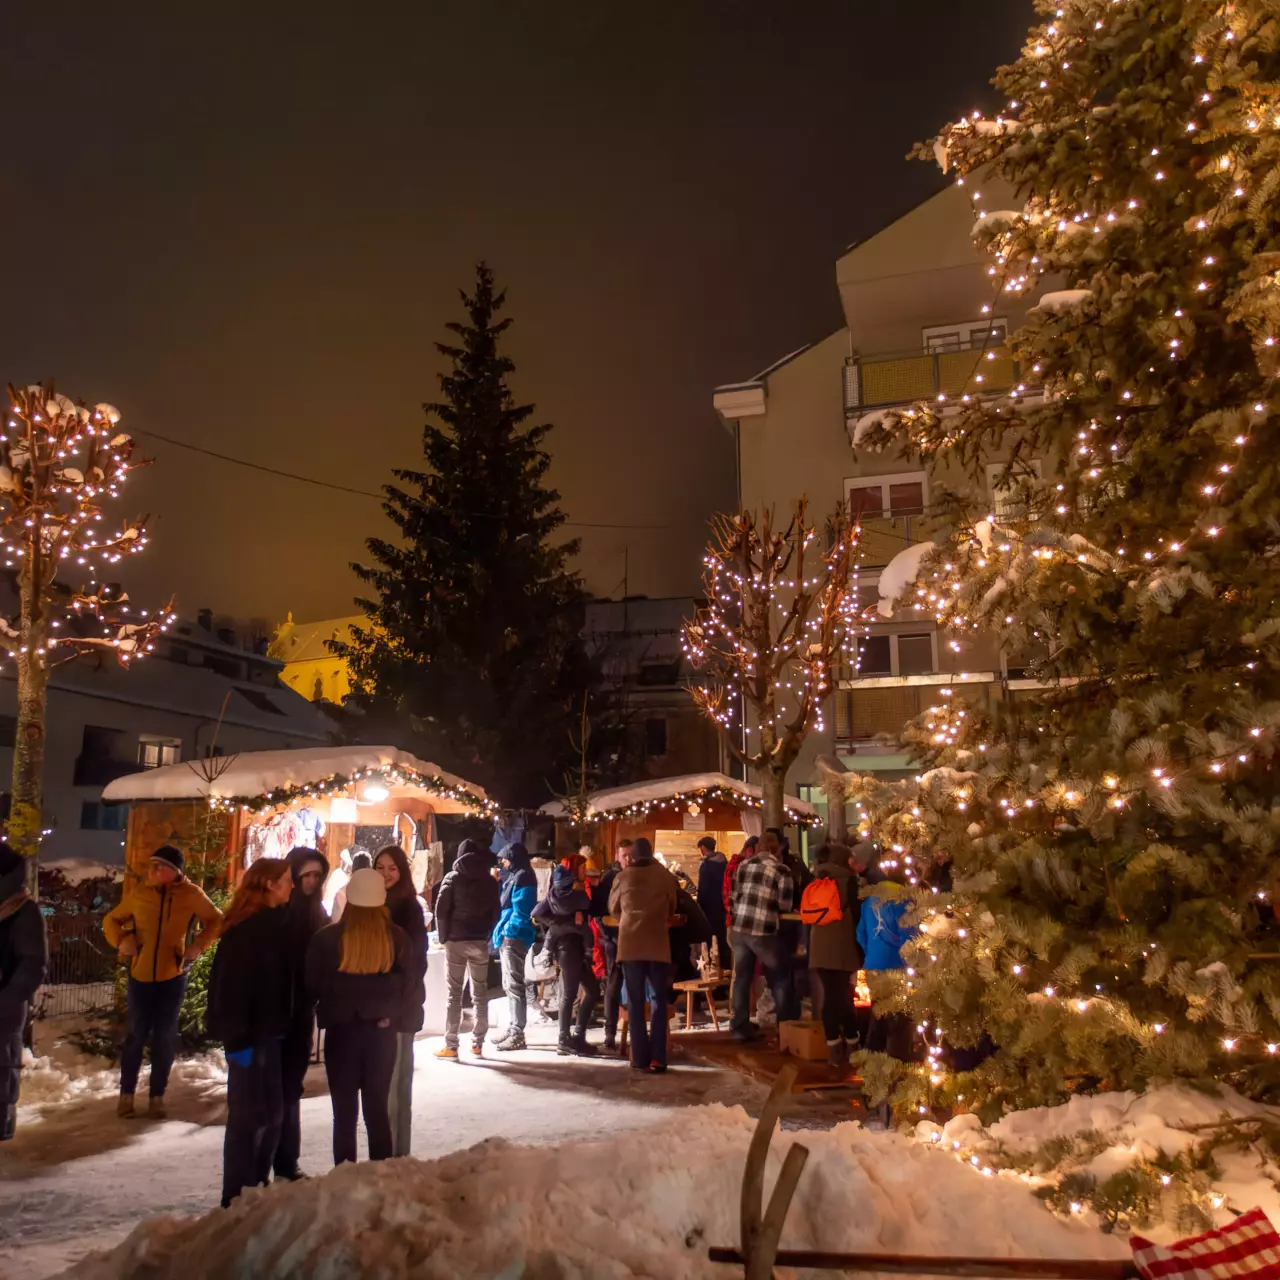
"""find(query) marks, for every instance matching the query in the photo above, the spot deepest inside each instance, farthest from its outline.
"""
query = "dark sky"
(244, 225)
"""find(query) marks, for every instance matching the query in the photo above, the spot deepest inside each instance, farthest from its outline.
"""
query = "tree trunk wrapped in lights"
(1114, 835)
(60, 462)
(779, 613)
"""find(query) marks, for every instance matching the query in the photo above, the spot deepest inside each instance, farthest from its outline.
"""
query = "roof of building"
(305, 641)
(639, 797)
(259, 778)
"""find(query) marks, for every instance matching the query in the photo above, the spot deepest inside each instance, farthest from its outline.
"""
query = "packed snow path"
(80, 1178)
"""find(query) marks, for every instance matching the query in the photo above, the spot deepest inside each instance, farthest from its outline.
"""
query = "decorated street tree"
(780, 611)
(1113, 835)
(473, 651)
(60, 463)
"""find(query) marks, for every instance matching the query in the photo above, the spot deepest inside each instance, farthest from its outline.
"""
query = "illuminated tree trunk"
(26, 805)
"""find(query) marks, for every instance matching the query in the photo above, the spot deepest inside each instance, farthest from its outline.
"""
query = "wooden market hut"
(675, 813)
(334, 799)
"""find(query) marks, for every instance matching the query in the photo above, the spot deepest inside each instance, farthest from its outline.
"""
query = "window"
(915, 655)
(154, 752)
(965, 335)
(660, 673)
(97, 816)
(655, 736)
(874, 497)
(875, 656)
(1009, 488)
(256, 698)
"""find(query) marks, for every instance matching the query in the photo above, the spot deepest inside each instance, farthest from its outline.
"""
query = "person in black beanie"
(304, 917)
(24, 953)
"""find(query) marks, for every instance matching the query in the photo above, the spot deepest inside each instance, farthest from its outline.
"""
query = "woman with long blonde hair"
(249, 1010)
(363, 980)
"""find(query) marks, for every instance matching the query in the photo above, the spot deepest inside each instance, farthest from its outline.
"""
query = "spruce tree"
(1114, 835)
(473, 647)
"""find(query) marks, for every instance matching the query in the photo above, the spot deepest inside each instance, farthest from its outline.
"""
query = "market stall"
(232, 810)
(675, 813)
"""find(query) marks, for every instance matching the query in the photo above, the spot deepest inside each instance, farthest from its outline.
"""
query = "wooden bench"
(705, 987)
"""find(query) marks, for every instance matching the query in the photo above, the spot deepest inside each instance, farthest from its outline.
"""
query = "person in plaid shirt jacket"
(763, 890)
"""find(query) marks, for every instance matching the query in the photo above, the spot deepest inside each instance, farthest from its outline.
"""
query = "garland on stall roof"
(642, 807)
(338, 783)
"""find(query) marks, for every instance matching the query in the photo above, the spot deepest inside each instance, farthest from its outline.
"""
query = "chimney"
(204, 619)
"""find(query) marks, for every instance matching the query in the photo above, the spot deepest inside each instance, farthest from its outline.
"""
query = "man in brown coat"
(643, 899)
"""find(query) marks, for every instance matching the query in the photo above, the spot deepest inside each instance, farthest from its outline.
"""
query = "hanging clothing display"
(274, 839)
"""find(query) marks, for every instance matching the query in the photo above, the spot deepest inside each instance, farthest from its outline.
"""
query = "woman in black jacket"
(250, 1009)
(364, 982)
(406, 913)
(305, 916)
(24, 955)
(564, 912)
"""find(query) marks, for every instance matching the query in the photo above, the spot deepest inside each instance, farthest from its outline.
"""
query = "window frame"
(164, 746)
(885, 483)
(970, 333)
(895, 660)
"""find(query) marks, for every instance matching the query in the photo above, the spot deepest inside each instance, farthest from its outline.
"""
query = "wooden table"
(705, 986)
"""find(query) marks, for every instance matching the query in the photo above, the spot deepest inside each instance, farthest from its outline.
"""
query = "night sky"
(245, 224)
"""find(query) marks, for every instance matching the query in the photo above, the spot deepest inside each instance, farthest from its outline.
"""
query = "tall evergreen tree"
(474, 639)
(1114, 837)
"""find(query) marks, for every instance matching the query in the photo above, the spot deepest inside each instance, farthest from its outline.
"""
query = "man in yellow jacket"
(152, 928)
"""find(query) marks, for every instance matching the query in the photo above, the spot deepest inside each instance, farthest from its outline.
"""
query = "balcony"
(871, 382)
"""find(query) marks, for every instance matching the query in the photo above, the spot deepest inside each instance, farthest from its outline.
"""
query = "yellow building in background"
(309, 668)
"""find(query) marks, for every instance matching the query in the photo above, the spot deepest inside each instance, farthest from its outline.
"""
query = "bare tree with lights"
(778, 615)
(60, 462)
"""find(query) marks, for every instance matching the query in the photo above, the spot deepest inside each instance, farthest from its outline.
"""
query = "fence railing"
(872, 381)
(81, 976)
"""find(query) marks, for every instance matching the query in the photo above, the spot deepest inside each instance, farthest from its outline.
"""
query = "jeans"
(152, 1017)
(649, 979)
(837, 1005)
(513, 953)
(612, 990)
(254, 1110)
(360, 1059)
(462, 958)
(401, 1096)
(575, 972)
(767, 948)
(295, 1058)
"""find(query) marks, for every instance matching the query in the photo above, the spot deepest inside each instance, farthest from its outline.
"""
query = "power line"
(361, 493)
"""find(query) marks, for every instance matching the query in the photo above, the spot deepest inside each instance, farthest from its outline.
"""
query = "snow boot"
(837, 1053)
(511, 1043)
(578, 1045)
(290, 1175)
(447, 1054)
(124, 1108)
(156, 1110)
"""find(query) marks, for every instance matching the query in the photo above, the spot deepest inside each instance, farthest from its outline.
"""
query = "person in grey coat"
(834, 954)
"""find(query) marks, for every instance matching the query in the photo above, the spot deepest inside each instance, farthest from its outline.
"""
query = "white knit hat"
(366, 888)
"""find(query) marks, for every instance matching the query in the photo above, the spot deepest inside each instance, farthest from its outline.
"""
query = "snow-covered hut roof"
(639, 797)
(262, 779)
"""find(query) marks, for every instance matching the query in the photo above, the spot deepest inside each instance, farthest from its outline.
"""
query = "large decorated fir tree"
(474, 640)
(1114, 834)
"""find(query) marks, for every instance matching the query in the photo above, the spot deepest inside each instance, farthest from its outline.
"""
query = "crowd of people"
(621, 938)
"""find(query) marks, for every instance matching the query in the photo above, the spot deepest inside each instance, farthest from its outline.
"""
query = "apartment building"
(922, 319)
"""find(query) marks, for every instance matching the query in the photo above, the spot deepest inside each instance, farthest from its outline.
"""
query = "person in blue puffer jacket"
(881, 935)
(513, 937)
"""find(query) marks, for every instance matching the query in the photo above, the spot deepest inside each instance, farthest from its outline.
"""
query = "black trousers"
(152, 1017)
(837, 1005)
(253, 1121)
(612, 989)
(575, 972)
(10, 1075)
(295, 1058)
(359, 1059)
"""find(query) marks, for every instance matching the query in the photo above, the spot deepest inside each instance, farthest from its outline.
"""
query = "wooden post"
(761, 1231)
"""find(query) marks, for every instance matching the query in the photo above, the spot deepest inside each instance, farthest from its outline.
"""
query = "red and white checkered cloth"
(1247, 1247)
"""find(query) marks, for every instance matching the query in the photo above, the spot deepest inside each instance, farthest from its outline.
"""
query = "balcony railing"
(873, 381)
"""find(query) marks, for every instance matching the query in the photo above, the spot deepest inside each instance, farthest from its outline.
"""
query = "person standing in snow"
(366, 987)
(251, 1011)
(151, 928)
(881, 935)
(512, 938)
(24, 955)
(406, 913)
(748, 850)
(565, 911)
(762, 892)
(467, 910)
(644, 898)
(304, 917)
(831, 909)
(609, 940)
(711, 894)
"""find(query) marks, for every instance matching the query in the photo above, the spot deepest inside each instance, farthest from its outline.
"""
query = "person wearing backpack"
(829, 906)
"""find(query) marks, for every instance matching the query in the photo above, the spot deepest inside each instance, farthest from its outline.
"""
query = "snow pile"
(865, 425)
(996, 220)
(1063, 301)
(900, 573)
(631, 1205)
(613, 799)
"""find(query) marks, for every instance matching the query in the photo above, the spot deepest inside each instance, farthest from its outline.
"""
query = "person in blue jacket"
(513, 937)
(881, 934)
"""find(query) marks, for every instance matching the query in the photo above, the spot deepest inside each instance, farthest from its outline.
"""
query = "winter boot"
(838, 1053)
(124, 1108)
(156, 1110)
(447, 1054)
(290, 1175)
(578, 1045)
(512, 1042)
